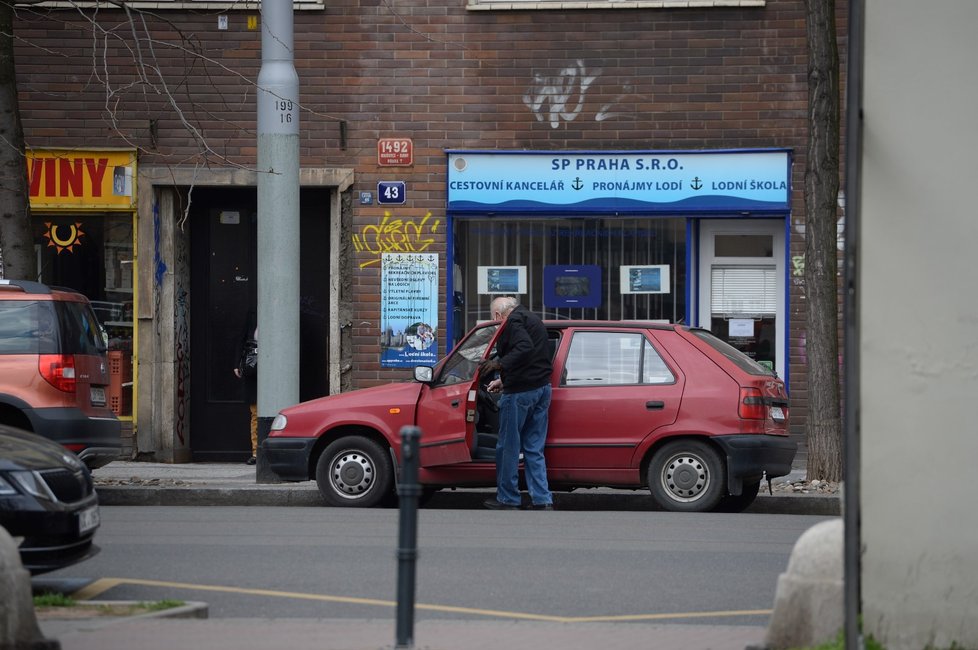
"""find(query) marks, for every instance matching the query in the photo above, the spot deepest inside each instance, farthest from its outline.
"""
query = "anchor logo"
(578, 184)
(696, 184)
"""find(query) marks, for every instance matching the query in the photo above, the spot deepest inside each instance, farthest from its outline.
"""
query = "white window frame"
(709, 228)
(498, 5)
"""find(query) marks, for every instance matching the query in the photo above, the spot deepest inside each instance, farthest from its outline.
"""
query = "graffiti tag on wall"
(552, 98)
(560, 91)
(395, 236)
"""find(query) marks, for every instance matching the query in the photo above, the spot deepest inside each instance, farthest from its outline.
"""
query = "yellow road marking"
(104, 584)
(97, 588)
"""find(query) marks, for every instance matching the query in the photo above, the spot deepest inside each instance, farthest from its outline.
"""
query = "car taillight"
(58, 370)
(752, 406)
(75, 447)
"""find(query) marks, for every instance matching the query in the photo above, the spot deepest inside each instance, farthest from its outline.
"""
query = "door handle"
(655, 405)
(455, 403)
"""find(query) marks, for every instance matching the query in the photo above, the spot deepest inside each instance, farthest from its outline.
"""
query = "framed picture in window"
(572, 286)
(645, 279)
(502, 279)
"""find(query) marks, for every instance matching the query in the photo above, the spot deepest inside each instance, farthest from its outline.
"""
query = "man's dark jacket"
(523, 352)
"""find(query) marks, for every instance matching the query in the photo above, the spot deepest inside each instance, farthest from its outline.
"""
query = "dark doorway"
(224, 288)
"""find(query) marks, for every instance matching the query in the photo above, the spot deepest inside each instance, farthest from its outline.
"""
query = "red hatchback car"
(667, 407)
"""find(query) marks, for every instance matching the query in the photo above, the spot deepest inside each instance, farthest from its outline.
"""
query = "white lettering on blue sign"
(642, 182)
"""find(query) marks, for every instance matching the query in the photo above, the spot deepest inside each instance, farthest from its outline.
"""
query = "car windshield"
(743, 361)
(462, 363)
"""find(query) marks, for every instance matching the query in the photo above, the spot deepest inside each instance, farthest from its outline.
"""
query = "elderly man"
(524, 365)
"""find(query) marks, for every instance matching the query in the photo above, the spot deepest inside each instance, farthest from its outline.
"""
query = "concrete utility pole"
(278, 222)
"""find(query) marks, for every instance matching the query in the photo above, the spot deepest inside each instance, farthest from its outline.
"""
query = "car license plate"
(98, 396)
(777, 413)
(88, 519)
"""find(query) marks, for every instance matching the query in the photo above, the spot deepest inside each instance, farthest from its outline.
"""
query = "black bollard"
(407, 550)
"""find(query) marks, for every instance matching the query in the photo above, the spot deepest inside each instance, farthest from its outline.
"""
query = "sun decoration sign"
(56, 235)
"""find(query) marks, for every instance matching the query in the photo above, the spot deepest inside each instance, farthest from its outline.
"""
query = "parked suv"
(670, 408)
(54, 371)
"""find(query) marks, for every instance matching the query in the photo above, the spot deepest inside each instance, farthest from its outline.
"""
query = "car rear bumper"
(99, 438)
(289, 457)
(750, 457)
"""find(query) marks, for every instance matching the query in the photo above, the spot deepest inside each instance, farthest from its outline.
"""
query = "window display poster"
(572, 286)
(645, 279)
(502, 279)
(408, 309)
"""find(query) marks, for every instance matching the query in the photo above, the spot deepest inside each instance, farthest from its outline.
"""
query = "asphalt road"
(473, 564)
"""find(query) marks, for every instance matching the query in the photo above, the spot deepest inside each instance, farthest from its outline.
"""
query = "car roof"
(625, 324)
(27, 289)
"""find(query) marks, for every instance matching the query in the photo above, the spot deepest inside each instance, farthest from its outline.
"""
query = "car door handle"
(455, 403)
(655, 405)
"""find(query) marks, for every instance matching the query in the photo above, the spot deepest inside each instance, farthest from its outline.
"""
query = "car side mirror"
(424, 374)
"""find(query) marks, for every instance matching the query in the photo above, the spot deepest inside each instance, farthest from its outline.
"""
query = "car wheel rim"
(351, 474)
(685, 477)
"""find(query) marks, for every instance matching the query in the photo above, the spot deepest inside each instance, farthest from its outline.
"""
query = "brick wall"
(447, 78)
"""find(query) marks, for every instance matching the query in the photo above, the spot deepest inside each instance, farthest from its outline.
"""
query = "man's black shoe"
(492, 504)
(542, 506)
(251, 461)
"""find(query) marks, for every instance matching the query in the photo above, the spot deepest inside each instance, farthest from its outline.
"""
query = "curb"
(308, 495)
(53, 627)
(190, 609)
(205, 496)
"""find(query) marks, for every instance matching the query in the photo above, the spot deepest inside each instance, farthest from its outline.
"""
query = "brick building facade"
(176, 86)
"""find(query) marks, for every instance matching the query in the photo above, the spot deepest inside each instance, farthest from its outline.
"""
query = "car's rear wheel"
(742, 501)
(687, 476)
(354, 472)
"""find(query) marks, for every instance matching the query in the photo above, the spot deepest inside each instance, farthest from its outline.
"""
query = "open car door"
(447, 406)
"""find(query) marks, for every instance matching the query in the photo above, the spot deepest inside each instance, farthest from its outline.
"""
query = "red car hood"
(387, 407)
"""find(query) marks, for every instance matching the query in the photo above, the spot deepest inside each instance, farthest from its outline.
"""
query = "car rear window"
(49, 327)
(740, 359)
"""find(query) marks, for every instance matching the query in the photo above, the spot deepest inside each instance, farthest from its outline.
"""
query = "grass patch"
(53, 605)
(53, 600)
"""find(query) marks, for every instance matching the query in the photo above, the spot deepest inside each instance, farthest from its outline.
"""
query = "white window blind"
(743, 290)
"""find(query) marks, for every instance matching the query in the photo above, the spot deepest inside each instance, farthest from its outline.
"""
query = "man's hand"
(495, 386)
(489, 365)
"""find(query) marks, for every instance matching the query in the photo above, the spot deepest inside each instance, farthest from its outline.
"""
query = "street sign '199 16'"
(390, 192)
(395, 151)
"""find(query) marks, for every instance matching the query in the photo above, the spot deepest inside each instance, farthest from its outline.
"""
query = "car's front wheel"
(354, 472)
(687, 476)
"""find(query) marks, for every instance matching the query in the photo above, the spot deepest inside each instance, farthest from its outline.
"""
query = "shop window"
(744, 307)
(538, 251)
(93, 254)
(743, 246)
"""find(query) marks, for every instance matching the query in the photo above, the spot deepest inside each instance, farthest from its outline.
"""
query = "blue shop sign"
(754, 181)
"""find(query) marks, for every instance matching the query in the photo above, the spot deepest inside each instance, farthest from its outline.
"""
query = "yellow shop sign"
(61, 178)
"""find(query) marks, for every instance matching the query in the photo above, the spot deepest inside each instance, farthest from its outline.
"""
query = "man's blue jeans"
(522, 424)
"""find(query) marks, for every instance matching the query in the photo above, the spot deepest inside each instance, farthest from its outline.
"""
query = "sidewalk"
(376, 634)
(126, 483)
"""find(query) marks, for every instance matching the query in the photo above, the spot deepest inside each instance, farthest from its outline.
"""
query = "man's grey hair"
(506, 303)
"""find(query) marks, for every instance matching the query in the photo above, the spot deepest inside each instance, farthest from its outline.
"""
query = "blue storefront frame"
(741, 184)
